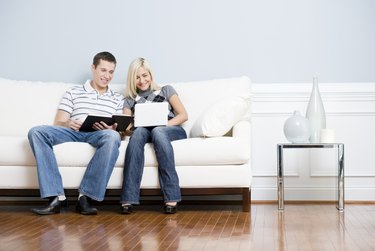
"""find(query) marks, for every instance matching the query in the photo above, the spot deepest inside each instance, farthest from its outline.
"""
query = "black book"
(122, 121)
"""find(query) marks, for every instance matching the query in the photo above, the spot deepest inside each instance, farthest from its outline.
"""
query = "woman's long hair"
(131, 87)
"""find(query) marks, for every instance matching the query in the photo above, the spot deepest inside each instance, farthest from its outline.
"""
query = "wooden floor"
(225, 227)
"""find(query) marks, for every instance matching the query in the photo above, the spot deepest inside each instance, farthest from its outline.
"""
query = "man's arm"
(62, 118)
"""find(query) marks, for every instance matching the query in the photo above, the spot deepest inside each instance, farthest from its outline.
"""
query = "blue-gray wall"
(268, 40)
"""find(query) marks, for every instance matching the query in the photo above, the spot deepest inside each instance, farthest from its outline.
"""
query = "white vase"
(315, 113)
(297, 128)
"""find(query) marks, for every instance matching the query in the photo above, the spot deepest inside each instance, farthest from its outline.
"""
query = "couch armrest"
(242, 130)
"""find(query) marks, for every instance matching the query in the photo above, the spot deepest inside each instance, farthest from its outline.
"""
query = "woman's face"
(143, 79)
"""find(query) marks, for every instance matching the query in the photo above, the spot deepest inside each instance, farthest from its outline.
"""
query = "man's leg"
(99, 170)
(42, 139)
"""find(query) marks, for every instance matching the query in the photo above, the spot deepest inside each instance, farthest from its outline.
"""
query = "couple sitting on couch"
(94, 97)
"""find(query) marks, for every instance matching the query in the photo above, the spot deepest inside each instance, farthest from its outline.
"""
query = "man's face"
(102, 74)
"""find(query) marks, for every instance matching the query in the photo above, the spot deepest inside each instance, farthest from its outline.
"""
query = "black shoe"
(84, 207)
(168, 209)
(127, 209)
(53, 207)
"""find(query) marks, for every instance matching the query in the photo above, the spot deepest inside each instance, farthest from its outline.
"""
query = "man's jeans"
(161, 138)
(96, 177)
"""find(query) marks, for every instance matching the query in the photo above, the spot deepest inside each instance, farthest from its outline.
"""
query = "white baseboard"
(311, 194)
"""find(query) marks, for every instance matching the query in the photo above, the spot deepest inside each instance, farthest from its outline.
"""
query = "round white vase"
(297, 128)
(315, 113)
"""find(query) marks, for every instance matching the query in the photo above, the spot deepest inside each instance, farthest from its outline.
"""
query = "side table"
(340, 176)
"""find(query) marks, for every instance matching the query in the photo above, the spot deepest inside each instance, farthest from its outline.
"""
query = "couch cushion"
(198, 96)
(26, 97)
(189, 176)
(219, 118)
(16, 151)
(31, 103)
(188, 152)
(211, 151)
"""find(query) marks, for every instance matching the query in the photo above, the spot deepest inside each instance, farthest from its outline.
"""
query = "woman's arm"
(128, 130)
(127, 111)
(179, 110)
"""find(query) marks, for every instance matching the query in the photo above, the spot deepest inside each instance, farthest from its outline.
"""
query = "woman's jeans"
(97, 174)
(161, 137)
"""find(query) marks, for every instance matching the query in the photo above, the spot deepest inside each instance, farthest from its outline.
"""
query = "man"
(94, 97)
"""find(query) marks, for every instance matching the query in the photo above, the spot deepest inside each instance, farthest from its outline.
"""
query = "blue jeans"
(161, 138)
(97, 174)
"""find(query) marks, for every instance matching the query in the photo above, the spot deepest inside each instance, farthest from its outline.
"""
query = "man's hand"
(62, 118)
(74, 124)
(102, 126)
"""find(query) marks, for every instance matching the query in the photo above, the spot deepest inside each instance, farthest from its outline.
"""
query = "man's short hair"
(104, 55)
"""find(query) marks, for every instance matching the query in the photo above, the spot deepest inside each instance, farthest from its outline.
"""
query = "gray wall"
(268, 40)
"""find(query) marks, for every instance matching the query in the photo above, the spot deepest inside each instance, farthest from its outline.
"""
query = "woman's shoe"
(126, 209)
(168, 209)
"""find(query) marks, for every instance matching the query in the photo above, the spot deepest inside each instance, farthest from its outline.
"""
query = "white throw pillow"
(219, 118)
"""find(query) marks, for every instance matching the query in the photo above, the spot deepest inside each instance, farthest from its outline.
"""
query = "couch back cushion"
(198, 96)
(24, 104)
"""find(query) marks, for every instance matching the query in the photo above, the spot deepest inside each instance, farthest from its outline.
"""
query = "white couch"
(207, 162)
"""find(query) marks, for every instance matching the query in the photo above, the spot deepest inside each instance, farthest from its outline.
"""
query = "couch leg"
(246, 196)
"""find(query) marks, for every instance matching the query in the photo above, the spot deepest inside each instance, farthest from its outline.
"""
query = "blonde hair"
(131, 86)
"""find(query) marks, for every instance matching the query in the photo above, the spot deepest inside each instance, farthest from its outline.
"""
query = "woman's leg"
(134, 164)
(161, 138)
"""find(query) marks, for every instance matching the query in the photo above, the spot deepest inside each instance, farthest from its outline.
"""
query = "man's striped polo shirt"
(80, 101)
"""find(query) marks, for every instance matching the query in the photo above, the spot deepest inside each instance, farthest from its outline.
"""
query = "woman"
(141, 88)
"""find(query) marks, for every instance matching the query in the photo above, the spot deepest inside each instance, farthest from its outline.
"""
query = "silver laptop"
(151, 114)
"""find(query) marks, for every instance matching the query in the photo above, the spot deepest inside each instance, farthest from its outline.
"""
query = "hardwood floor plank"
(221, 227)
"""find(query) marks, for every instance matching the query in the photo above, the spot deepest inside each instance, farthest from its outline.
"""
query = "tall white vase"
(315, 113)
